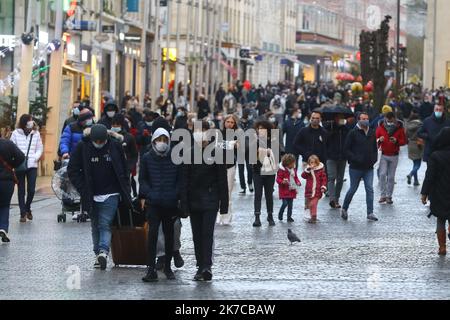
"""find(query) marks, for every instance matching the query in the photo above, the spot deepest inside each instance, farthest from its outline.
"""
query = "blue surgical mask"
(89, 123)
(99, 146)
(364, 123)
(439, 114)
(180, 114)
(116, 129)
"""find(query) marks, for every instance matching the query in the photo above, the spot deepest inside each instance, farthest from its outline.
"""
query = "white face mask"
(161, 147)
(116, 129)
(111, 114)
(342, 122)
(30, 125)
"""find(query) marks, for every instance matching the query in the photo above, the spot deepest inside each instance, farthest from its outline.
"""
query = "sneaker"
(290, 220)
(178, 260)
(23, 219)
(4, 236)
(169, 274)
(160, 263)
(243, 192)
(382, 200)
(250, 188)
(312, 221)
(416, 184)
(372, 217)
(344, 214)
(75, 217)
(207, 274)
(409, 179)
(29, 216)
(103, 260)
(96, 263)
(151, 276)
(389, 201)
(198, 276)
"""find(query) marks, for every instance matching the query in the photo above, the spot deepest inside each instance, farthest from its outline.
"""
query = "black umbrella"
(332, 111)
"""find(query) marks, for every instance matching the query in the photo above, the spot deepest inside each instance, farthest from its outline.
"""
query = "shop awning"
(73, 70)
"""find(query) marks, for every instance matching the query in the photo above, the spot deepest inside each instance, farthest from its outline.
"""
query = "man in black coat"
(362, 154)
(110, 110)
(436, 186)
(203, 194)
(98, 170)
(312, 140)
(291, 128)
(337, 160)
(431, 127)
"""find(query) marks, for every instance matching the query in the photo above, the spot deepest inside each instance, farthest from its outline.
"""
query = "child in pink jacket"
(288, 183)
(316, 182)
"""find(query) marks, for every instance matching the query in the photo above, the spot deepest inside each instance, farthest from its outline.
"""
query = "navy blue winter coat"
(336, 142)
(430, 130)
(361, 150)
(159, 180)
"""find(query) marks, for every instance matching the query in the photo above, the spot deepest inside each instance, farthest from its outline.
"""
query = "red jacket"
(316, 182)
(284, 191)
(387, 147)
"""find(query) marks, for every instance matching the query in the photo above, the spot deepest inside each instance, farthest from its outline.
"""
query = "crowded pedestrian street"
(393, 259)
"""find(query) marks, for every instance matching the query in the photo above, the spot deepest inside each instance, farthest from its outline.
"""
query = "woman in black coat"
(204, 193)
(436, 186)
(10, 158)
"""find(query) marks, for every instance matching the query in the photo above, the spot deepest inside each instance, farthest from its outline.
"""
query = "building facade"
(328, 33)
(437, 45)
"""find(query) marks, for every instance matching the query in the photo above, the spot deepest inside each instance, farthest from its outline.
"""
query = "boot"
(257, 222)
(270, 220)
(442, 239)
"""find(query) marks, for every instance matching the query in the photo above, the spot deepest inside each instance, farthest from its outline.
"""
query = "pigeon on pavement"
(292, 237)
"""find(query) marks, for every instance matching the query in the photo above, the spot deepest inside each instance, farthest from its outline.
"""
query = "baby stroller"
(66, 192)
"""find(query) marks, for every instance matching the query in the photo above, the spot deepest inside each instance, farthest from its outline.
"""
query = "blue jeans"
(416, 167)
(30, 176)
(7, 190)
(102, 217)
(287, 203)
(355, 179)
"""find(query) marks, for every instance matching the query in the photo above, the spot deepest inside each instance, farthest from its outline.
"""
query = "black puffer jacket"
(204, 188)
(80, 171)
(361, 149)
(310, 141)
(336, 141)
(436, 185)
(13, 157)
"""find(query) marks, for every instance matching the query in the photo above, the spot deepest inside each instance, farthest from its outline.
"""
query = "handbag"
(10, 169)
(269, 166)
(24, 166)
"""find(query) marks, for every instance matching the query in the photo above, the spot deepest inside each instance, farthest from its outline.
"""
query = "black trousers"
(242, 168)
(156, 216)
(203, 224)
(266, 184)
(27, 180)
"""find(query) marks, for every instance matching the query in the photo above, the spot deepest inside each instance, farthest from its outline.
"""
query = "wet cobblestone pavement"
(395, 258)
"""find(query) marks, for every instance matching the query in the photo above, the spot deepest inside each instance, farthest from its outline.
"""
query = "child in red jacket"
(288, 183)
(316, 182)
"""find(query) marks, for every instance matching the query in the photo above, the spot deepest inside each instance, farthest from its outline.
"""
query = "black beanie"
(99, 133)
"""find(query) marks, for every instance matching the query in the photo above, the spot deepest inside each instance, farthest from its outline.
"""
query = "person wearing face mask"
(76, 110)
(181, 119)
(144, 130)
(119, 132)
(391, 136)
(337, 160)
(204, 192)
(431, 128)
(246, 123)
(110, 110)
(159, 187)
(291, 128)
(362, 153)
(98, 170)
(27, 138)
(312, 140)
(74, 133)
